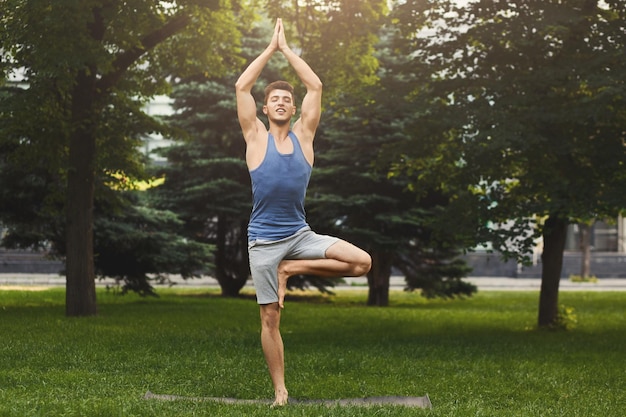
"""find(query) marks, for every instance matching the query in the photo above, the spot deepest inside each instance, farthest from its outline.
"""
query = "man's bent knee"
(360, 263)
(363, 265)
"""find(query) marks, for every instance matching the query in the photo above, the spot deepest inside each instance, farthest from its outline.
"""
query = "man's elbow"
(317, 85)
(240, 86)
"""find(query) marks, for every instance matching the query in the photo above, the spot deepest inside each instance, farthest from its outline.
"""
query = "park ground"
(477, 356)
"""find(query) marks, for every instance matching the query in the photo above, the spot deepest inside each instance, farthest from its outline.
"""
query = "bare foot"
(283, 276)
(281, 399)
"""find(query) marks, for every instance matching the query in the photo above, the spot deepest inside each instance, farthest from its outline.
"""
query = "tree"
(585, 249)
(336, 37)
(206, 180)
(88, 67)
(352, 196)
(525, 101)
(136, 244)
(207, 183)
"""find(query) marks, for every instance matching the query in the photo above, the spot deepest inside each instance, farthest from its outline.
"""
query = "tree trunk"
(378, 279)
(554, 233)
(221, 261)
(231, 266)
(80, 296)
(585, 249)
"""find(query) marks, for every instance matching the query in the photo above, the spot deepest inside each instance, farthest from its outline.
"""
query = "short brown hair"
(278, 85)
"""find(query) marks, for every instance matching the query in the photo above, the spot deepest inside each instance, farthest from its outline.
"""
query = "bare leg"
(343, 259)
(273, 350)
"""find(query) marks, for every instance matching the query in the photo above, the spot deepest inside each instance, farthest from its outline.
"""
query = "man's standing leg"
(273, 350)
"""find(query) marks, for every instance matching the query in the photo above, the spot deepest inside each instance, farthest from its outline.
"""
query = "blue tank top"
(278, 190)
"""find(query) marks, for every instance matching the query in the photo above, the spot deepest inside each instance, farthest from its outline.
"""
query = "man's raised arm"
(312, 103)
(246, 106)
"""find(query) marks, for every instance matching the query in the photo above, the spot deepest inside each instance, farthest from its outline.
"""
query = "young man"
(280, 160)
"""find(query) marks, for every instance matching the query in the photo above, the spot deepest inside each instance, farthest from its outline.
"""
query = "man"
(280, 160)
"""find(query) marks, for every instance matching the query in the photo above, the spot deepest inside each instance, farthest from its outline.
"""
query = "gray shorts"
(266, 255)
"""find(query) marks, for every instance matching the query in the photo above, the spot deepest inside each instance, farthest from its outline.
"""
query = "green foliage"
(436, 275)
(206, 174)
(351, 194)
(579, 278)
(83, 71)
(336, 38)
(472, 357)
(136, 245)
(567, 319)
(206, 180)
(45, 46)
(521, 118)
(530, 120)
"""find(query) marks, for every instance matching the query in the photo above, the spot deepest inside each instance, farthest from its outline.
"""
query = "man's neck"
(280, 132)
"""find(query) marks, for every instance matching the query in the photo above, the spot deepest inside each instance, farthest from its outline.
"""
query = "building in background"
(159, 106)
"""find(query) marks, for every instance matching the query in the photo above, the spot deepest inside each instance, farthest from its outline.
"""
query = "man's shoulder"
(301, 133)
(256, 134)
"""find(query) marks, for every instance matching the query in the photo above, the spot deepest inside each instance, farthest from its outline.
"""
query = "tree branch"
(127, 58)
(12, 89)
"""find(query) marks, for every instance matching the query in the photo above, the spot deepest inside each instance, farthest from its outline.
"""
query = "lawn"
(474, 357)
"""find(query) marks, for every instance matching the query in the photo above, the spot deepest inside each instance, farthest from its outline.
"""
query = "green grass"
(473, 357)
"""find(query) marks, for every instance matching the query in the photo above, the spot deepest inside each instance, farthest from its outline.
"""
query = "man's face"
(279, 107)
